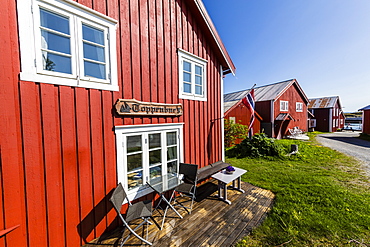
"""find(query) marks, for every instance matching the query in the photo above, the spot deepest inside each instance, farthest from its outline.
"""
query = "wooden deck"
(212, 222)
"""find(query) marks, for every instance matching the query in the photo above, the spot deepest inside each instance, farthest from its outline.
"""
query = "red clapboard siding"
(33, 164)
(58, 166)
(12, 193)
(366, 122)
(85, 171)
(53, 162)
(97, 159)
(70, 164)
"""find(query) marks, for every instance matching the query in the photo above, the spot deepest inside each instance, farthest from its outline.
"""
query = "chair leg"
(135, 234)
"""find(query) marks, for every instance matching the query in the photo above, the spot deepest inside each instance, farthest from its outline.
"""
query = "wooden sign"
(135, 107)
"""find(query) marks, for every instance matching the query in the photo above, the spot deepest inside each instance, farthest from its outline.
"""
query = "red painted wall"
(366, 122)
(243, 116)
(58, 160)
(293, 96)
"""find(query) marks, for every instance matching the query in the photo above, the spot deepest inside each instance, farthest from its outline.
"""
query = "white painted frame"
(30, 43)
(284, 105)
(299, 107)
(127, 130)
(193, 60)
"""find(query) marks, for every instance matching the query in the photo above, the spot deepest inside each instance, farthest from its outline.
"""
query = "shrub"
(259, 146)
(234, 131)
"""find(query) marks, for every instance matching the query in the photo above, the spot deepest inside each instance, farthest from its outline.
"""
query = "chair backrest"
(118, 196)
(189, 171)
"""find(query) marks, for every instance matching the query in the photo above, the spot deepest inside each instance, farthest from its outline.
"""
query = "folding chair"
(188, 188)
(141, 209)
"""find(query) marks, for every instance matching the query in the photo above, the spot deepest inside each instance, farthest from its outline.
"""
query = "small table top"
(165, 183)
(227, 178)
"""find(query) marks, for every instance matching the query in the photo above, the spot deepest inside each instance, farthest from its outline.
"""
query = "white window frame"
(299, 106)
(127, 130)
(193, 60)
(30, 44)
(284, 105)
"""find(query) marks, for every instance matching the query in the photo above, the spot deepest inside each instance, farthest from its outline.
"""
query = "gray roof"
(236, 96)
(365, 108)
(229, 104)
(264, 93)
(272, 91)
(324, 102)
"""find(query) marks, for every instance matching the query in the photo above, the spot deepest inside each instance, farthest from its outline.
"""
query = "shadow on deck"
(212, 222)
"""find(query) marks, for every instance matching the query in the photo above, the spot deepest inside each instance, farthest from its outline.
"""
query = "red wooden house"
(236, 111)
(328, 113)
(366, 119)
(93, 91)
(281, 106)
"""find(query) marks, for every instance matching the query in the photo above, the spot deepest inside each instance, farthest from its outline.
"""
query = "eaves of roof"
(227, 64)
(365, 108)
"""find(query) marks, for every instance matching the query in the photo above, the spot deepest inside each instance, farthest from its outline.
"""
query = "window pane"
(187, 66)
(198, 90)
(134, 179)
(198, 80)
(198, 70)
(171, 138)
(187, 77)
(172, 153)
(155, 157)
(133, 143)
(94, 70)
(94, 52)
(93, 34)
(58, 63)
(54, 21)
(155, 172)
(187, 88)
(172, 167)
(55, 42)
(154, 140)
(134, 162)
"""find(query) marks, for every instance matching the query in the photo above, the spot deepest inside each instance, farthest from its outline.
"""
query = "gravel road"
(347, 143)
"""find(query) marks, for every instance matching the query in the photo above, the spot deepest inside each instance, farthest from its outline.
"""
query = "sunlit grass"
(322, 198)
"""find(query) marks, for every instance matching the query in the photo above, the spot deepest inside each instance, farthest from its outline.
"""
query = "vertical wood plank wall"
(58, 152)
(300, 118)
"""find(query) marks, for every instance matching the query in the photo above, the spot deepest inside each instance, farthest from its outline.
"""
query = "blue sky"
(324, 44)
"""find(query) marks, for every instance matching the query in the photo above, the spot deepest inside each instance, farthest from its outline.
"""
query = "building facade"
(366, 119)
(98, 92)
(328, 113)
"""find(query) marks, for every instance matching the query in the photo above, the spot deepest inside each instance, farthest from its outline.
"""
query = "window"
(284, 105)
(145, 152)
(299, 107)
(232, 119)
(67, 43)
(192, 76)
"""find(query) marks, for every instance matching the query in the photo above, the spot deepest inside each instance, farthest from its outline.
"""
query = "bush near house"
(234, 131)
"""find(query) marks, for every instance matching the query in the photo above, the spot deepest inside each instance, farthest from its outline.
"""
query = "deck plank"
(212, 222)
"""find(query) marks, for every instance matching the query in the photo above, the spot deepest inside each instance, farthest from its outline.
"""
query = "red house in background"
(366, 119)
(236, 111)
(281, 106)
(328, 113)
(84, 86)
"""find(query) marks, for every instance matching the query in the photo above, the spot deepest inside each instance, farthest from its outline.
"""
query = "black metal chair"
(188, 188)
(141, 209)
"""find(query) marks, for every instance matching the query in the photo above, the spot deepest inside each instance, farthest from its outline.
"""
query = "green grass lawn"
(322, 198)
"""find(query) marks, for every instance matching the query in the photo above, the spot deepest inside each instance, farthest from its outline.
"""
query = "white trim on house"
(30, 42)
(122, 132)
(284, 105)
(194, 61)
